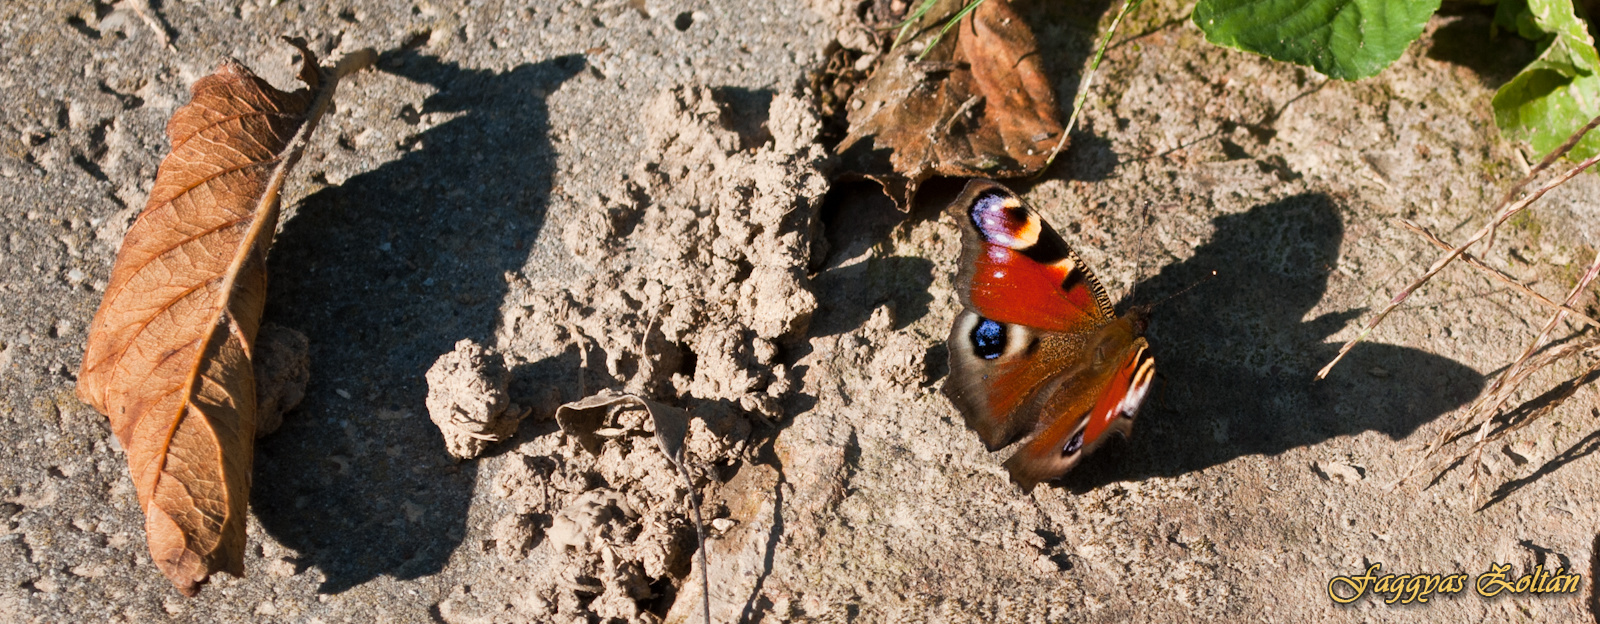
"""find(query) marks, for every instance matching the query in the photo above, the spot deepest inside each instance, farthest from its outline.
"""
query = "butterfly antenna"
(1186, 289)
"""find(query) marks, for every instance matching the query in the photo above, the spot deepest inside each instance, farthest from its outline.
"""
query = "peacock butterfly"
(1038, 352)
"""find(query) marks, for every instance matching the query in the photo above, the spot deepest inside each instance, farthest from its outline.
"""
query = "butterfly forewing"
(1017, 269)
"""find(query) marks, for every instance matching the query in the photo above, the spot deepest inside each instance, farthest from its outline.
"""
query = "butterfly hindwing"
(1058, 446)
(1038, 353)
(999, 373)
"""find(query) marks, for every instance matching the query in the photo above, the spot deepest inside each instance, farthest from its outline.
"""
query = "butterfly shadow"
(1238, 360)
(384, 273)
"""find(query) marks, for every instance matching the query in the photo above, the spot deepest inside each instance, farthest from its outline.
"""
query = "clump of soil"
(467, 399)
(699, 283)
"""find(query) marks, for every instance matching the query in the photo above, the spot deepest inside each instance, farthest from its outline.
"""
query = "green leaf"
(1346, 39)
(1513, 15)
(1560, 90)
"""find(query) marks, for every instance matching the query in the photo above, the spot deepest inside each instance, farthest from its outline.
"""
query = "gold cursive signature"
(1539, 581)
(1402, 588)
(1409, 588)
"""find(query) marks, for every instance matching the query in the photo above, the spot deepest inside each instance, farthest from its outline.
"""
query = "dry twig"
(1538, 363)
(1503, 211)
(1500, 391)
(1484, 411)
(1497, 274)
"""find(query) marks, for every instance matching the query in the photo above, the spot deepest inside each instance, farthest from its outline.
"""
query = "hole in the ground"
(663, 593)
(690, 359)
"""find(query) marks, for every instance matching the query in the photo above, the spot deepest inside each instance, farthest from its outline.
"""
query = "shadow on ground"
(384, 273)
(1237, 359)
(1464, 40)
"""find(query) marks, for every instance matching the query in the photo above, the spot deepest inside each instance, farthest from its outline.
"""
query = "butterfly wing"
(1015, 268)
(1038, 350)
(1000, 373)
(1024, 289)
(1117, 391)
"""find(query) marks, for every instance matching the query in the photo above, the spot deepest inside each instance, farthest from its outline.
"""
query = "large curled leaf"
(1345, 39)
(169, 353)
(1560, 90)
(978, 104)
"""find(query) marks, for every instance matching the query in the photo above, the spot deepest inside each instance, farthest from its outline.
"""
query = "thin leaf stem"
(1088, 79)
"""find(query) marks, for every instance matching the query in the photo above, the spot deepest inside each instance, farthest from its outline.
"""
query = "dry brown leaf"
(583, 419)
(169, 353)
(978, 105)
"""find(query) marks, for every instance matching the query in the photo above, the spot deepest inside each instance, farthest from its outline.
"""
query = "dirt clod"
(283, 368)
(467, 399)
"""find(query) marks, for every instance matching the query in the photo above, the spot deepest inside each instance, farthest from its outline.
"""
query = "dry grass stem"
(1482, 413)
(1552, 399)
(1503, 211)
(1498, 275)
(1549, 159)
(1463, 426)
(1501, 391)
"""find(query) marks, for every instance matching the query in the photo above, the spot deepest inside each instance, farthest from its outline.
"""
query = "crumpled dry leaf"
(170, 350)
(583, 419)
(978, 105)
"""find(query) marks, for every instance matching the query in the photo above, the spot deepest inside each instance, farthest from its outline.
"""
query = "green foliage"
(1346, 39)
(1352, 39)
(1560, 90)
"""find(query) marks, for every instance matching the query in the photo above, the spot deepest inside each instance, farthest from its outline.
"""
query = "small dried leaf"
(585, 420)
(979, 104)
(170, 350)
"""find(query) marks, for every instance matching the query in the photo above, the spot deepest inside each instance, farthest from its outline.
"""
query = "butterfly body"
(1038, 354)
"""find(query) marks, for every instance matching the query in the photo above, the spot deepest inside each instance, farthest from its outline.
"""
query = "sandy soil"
(630, 196)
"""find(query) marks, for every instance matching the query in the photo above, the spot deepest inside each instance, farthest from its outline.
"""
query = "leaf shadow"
(1466, 40)
(1238, 360)
(383, 273)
